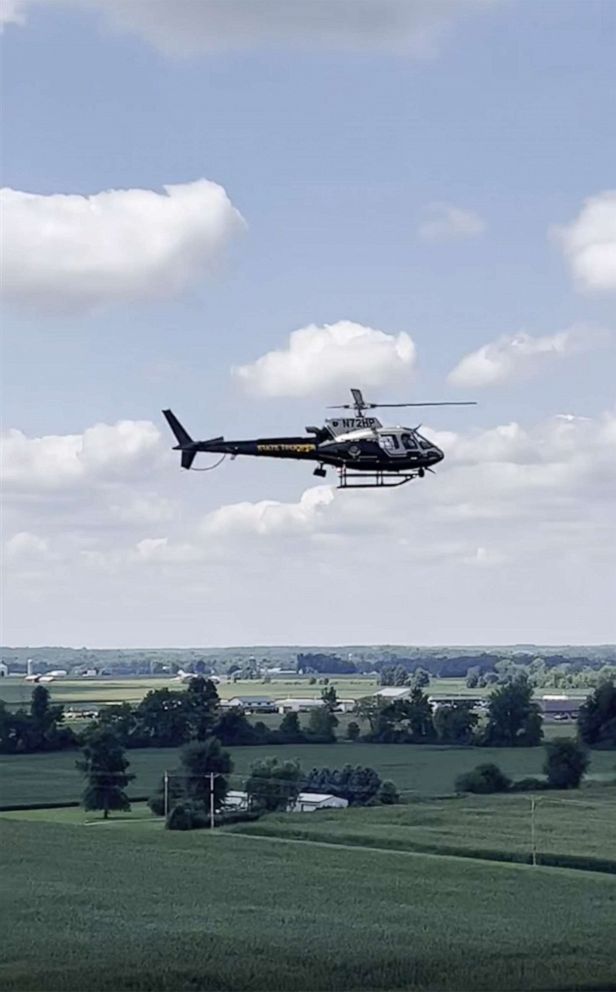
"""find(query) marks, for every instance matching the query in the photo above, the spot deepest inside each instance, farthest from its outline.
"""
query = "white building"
(307, 802)
(394, 692)
(4, 670)
(298, 705)
(345, 705)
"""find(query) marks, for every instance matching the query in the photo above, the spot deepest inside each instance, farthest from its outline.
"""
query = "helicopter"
(366, 454)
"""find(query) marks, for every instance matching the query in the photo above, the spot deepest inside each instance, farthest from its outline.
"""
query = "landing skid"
(373, 480)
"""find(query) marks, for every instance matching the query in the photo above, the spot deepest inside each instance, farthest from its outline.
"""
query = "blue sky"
(333, 154)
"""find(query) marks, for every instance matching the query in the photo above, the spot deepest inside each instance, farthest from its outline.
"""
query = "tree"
(597, 717)
(483, 779)
(472, 677)
(394, 676)
(330, 697)
(273, 786)
(322, 724)
(201, 704)
(455, 722)
(565, 763)
(514, 720)
(104, 765)
(161, 718)
(290, 730)
(388, 793)
(353, 730)
(123, 720)
(199, 761)
(234, 728)
(420, 716)
(358, 785)
(46, 731)
(421, 678)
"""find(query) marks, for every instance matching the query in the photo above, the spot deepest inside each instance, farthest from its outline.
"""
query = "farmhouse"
(4, 670)
(307, 802)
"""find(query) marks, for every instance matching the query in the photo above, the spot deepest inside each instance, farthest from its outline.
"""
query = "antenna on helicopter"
(359, 404)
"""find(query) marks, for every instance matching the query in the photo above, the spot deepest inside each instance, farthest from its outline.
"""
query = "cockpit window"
(409, 442)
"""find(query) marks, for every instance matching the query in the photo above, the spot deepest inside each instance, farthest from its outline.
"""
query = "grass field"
(126, 906)
(416, 770)
(98, 692)
(582, 824)
(90, 692)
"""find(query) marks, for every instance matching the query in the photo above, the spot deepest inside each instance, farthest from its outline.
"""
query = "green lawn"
(110, 908)
(416, 770)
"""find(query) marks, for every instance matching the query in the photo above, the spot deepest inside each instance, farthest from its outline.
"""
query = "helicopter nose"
(436, 455)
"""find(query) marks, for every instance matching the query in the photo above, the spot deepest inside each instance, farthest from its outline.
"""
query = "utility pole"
(212, 777)
(166, 793)
(533, 835)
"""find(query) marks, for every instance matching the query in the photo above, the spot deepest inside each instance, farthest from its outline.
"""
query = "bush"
(529, 784)
(186, 816)
(483, 779)
(388, 793)
(565, 764)
(353, 731)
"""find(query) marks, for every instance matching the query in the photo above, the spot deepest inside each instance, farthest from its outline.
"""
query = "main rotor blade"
(443, 403)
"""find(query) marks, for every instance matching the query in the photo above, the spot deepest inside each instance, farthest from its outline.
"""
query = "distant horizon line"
(290, 645)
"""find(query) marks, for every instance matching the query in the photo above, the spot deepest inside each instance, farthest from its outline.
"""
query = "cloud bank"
(74, 253)
(526, 507)
(589, 243)
(519, 356)
(186, 27)
(323, 359)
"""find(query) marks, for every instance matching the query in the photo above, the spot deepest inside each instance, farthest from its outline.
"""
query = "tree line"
(171, 718)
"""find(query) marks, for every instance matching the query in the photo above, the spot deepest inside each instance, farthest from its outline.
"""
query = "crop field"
(416, 770)
(223, 911)
(580, 824)
(91, 692)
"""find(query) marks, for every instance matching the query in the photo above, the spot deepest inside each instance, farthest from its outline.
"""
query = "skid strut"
(373, 480)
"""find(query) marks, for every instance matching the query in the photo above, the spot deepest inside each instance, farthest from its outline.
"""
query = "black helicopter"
(366, 454)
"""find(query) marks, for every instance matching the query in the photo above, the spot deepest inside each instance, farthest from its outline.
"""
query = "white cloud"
(516, 532)
(26, 545)
(55, 463)
(70, 252)
(335, 356)
(193, 26)
(12, 12)
(519, 355)
(446, 222)
(270, 517)
(589, 243)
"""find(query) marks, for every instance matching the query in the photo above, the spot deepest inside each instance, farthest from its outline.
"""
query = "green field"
(80, 692)
(416, 770)
(130, 906)
(580, 824)
(98, 692)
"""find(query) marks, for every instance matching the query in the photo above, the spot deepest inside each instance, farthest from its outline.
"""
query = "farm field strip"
(417, 770)
(345, 920)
